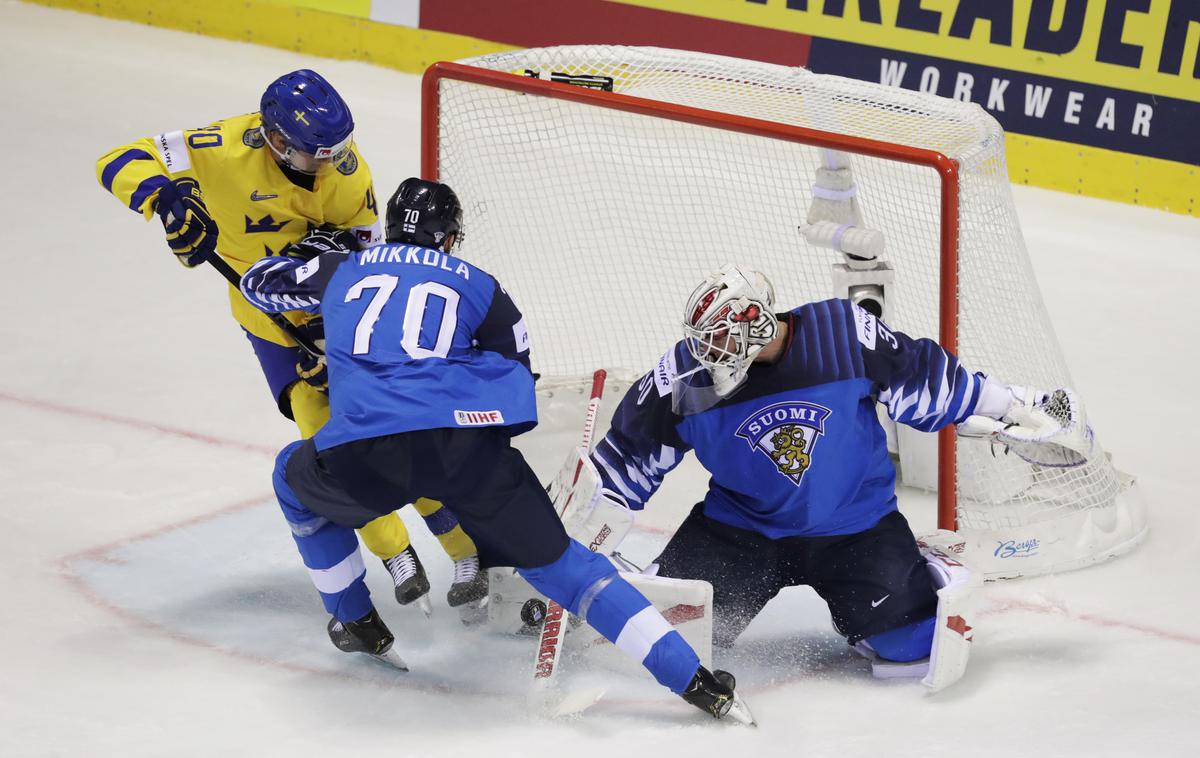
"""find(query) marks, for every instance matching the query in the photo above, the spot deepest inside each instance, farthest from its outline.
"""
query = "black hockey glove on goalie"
(322, 240)
(311, 368)
(191, 231)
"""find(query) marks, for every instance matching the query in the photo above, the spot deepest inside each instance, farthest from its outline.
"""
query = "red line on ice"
(1004, 605)
(135, 423)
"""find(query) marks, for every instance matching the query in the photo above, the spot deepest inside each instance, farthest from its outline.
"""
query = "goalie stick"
(549, 651)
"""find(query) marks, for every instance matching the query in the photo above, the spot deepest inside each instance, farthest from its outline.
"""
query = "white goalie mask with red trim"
(728, 320)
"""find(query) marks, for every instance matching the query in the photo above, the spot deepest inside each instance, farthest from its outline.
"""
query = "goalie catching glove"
(191, 231)
(1044, 428)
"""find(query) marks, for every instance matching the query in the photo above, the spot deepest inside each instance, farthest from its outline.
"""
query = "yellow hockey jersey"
(258, 210)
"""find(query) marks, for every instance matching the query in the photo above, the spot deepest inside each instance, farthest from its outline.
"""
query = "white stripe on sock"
(641, 631)
(337, 578)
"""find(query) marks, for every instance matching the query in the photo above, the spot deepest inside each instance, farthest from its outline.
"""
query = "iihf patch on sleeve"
(786, 433)
(866, 326)
(478, 418)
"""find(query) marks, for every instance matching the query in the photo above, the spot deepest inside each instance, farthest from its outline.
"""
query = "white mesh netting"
(600, 222)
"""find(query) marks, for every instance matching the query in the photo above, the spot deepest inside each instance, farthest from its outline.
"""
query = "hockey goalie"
(780, 410)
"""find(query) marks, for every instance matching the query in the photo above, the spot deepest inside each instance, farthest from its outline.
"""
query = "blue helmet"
(311, 117)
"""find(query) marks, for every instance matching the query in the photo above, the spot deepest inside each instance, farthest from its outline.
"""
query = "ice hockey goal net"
(601, 183)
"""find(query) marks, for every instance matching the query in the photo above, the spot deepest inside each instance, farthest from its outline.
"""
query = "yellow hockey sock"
(386, 536)
(446, 528)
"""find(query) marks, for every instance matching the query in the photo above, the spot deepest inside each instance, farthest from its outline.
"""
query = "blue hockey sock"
(587, 584)
(330, 552)
(911, 642)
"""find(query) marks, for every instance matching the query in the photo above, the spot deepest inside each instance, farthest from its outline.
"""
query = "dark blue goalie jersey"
(798, 450)
(415, 339)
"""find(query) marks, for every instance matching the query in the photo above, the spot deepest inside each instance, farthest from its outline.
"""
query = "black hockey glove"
(311, 368)
(191, 231)
(322, 240)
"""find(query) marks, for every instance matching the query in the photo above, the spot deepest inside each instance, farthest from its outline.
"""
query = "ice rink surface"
(155, 605)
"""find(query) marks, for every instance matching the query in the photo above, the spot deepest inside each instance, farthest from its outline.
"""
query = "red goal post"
(507, 125)
(947, 169)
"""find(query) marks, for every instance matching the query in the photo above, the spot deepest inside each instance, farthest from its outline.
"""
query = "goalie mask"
(728, 320)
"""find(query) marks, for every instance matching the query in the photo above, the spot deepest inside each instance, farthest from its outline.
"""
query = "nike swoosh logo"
(254, 196)
(875, 603)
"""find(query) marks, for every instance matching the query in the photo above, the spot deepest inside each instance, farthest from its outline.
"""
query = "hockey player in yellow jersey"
(253, 185)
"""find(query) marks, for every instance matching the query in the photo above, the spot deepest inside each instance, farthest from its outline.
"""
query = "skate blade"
(473, 614)
(577, 701)
(391, 658)
(425, 605)
(740, 713)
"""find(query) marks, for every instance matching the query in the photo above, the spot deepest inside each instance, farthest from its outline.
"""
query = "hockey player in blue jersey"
(781, 411)
(429, 379)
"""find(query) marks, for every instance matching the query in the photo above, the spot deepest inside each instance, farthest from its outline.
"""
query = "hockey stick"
(288, 327)
(554, 625)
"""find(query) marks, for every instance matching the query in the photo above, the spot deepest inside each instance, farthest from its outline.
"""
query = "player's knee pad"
(281, 461)
(329, 552)
(302, 521)
(577, 575)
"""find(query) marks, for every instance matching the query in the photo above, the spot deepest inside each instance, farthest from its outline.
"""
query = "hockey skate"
(409, 577)
(366, 635)
(470, 582)
(713, 693)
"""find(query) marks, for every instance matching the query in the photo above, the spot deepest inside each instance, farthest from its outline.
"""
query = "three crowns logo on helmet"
(787, 433)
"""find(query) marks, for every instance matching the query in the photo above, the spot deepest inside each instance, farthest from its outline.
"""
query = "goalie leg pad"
(953, 633)
(618, 611)
(741, 566)
(946, 636)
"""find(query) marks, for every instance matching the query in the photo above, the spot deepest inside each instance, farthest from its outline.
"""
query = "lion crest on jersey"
(787, 433)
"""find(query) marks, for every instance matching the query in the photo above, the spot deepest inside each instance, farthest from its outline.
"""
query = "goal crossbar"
(946, 168)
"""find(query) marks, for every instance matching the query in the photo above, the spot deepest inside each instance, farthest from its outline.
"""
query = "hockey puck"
(533, 612)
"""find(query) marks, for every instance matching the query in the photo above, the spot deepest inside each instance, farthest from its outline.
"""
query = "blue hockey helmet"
(424, 213)
(312, 119)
